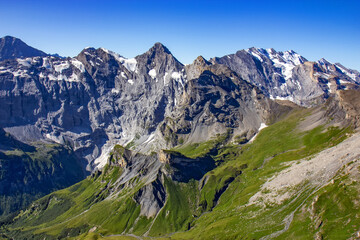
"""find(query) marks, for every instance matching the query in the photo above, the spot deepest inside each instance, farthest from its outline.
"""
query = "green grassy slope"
(30, 172)
(215, 207)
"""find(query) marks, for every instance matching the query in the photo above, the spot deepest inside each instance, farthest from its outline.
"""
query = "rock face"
(151, 170)
(99, 99)
(11, 48)
(289, 76)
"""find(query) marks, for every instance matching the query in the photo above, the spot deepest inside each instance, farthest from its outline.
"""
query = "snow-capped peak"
(130, 63)
(285, 60)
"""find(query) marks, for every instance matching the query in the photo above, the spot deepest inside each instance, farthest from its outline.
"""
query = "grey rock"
(99, 99)
(11, 47)
(289, 76)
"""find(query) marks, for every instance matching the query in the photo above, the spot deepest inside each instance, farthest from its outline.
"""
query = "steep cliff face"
(95, 99)
(99, 99)
(216, 100)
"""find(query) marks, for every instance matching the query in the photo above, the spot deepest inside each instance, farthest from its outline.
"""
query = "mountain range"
(172, 150)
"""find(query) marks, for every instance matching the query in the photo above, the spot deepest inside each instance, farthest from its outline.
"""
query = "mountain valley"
(258, 144)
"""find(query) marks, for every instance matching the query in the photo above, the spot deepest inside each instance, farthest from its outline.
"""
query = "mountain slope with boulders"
(177, 150)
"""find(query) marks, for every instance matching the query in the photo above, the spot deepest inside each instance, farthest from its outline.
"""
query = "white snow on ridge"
(288, 98)
(130, 64)
(21, 73)
(89, 54)
(323, 75)
(61, 77)
(78, 65)
(105, 50)
(25, 62)
(347, 72)
(152, 73)
(73, 78)
(46, 63)
(285, 60)
(131, 81)
(291, 56)
(62, 66)
(257, 56)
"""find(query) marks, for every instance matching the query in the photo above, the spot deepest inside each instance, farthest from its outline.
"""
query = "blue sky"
(314, 29)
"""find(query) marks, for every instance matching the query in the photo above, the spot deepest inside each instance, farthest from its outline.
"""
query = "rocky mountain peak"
(11, 47)
(159, 48)
(158, 52)
(201, 61)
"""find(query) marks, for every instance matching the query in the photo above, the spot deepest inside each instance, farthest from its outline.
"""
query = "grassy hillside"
(220, 205)
(29, 172)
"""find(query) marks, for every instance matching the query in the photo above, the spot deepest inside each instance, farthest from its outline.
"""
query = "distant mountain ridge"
(99, 98)
(289, 76)
(11, 48)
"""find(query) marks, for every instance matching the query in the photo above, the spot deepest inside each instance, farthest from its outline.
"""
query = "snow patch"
(262, 126)
(101, 161)
(21, 73)
(46, 63)
(62, 66)
(130, 64)
(178, 77)
(53, 138)
(123, 75)
(89, 54)
(78, 65)
(115, 91)
(131, 81)
(257, 56)
(329, 84)
(165, 78)
(347, 72)
(288, 98)
(152, 73)
(25, 62)
(105, 50)
(322, 75)
(73, 78)
(150, 138)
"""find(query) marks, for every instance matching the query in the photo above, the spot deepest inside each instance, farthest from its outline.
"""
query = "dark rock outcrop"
(11, 48)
